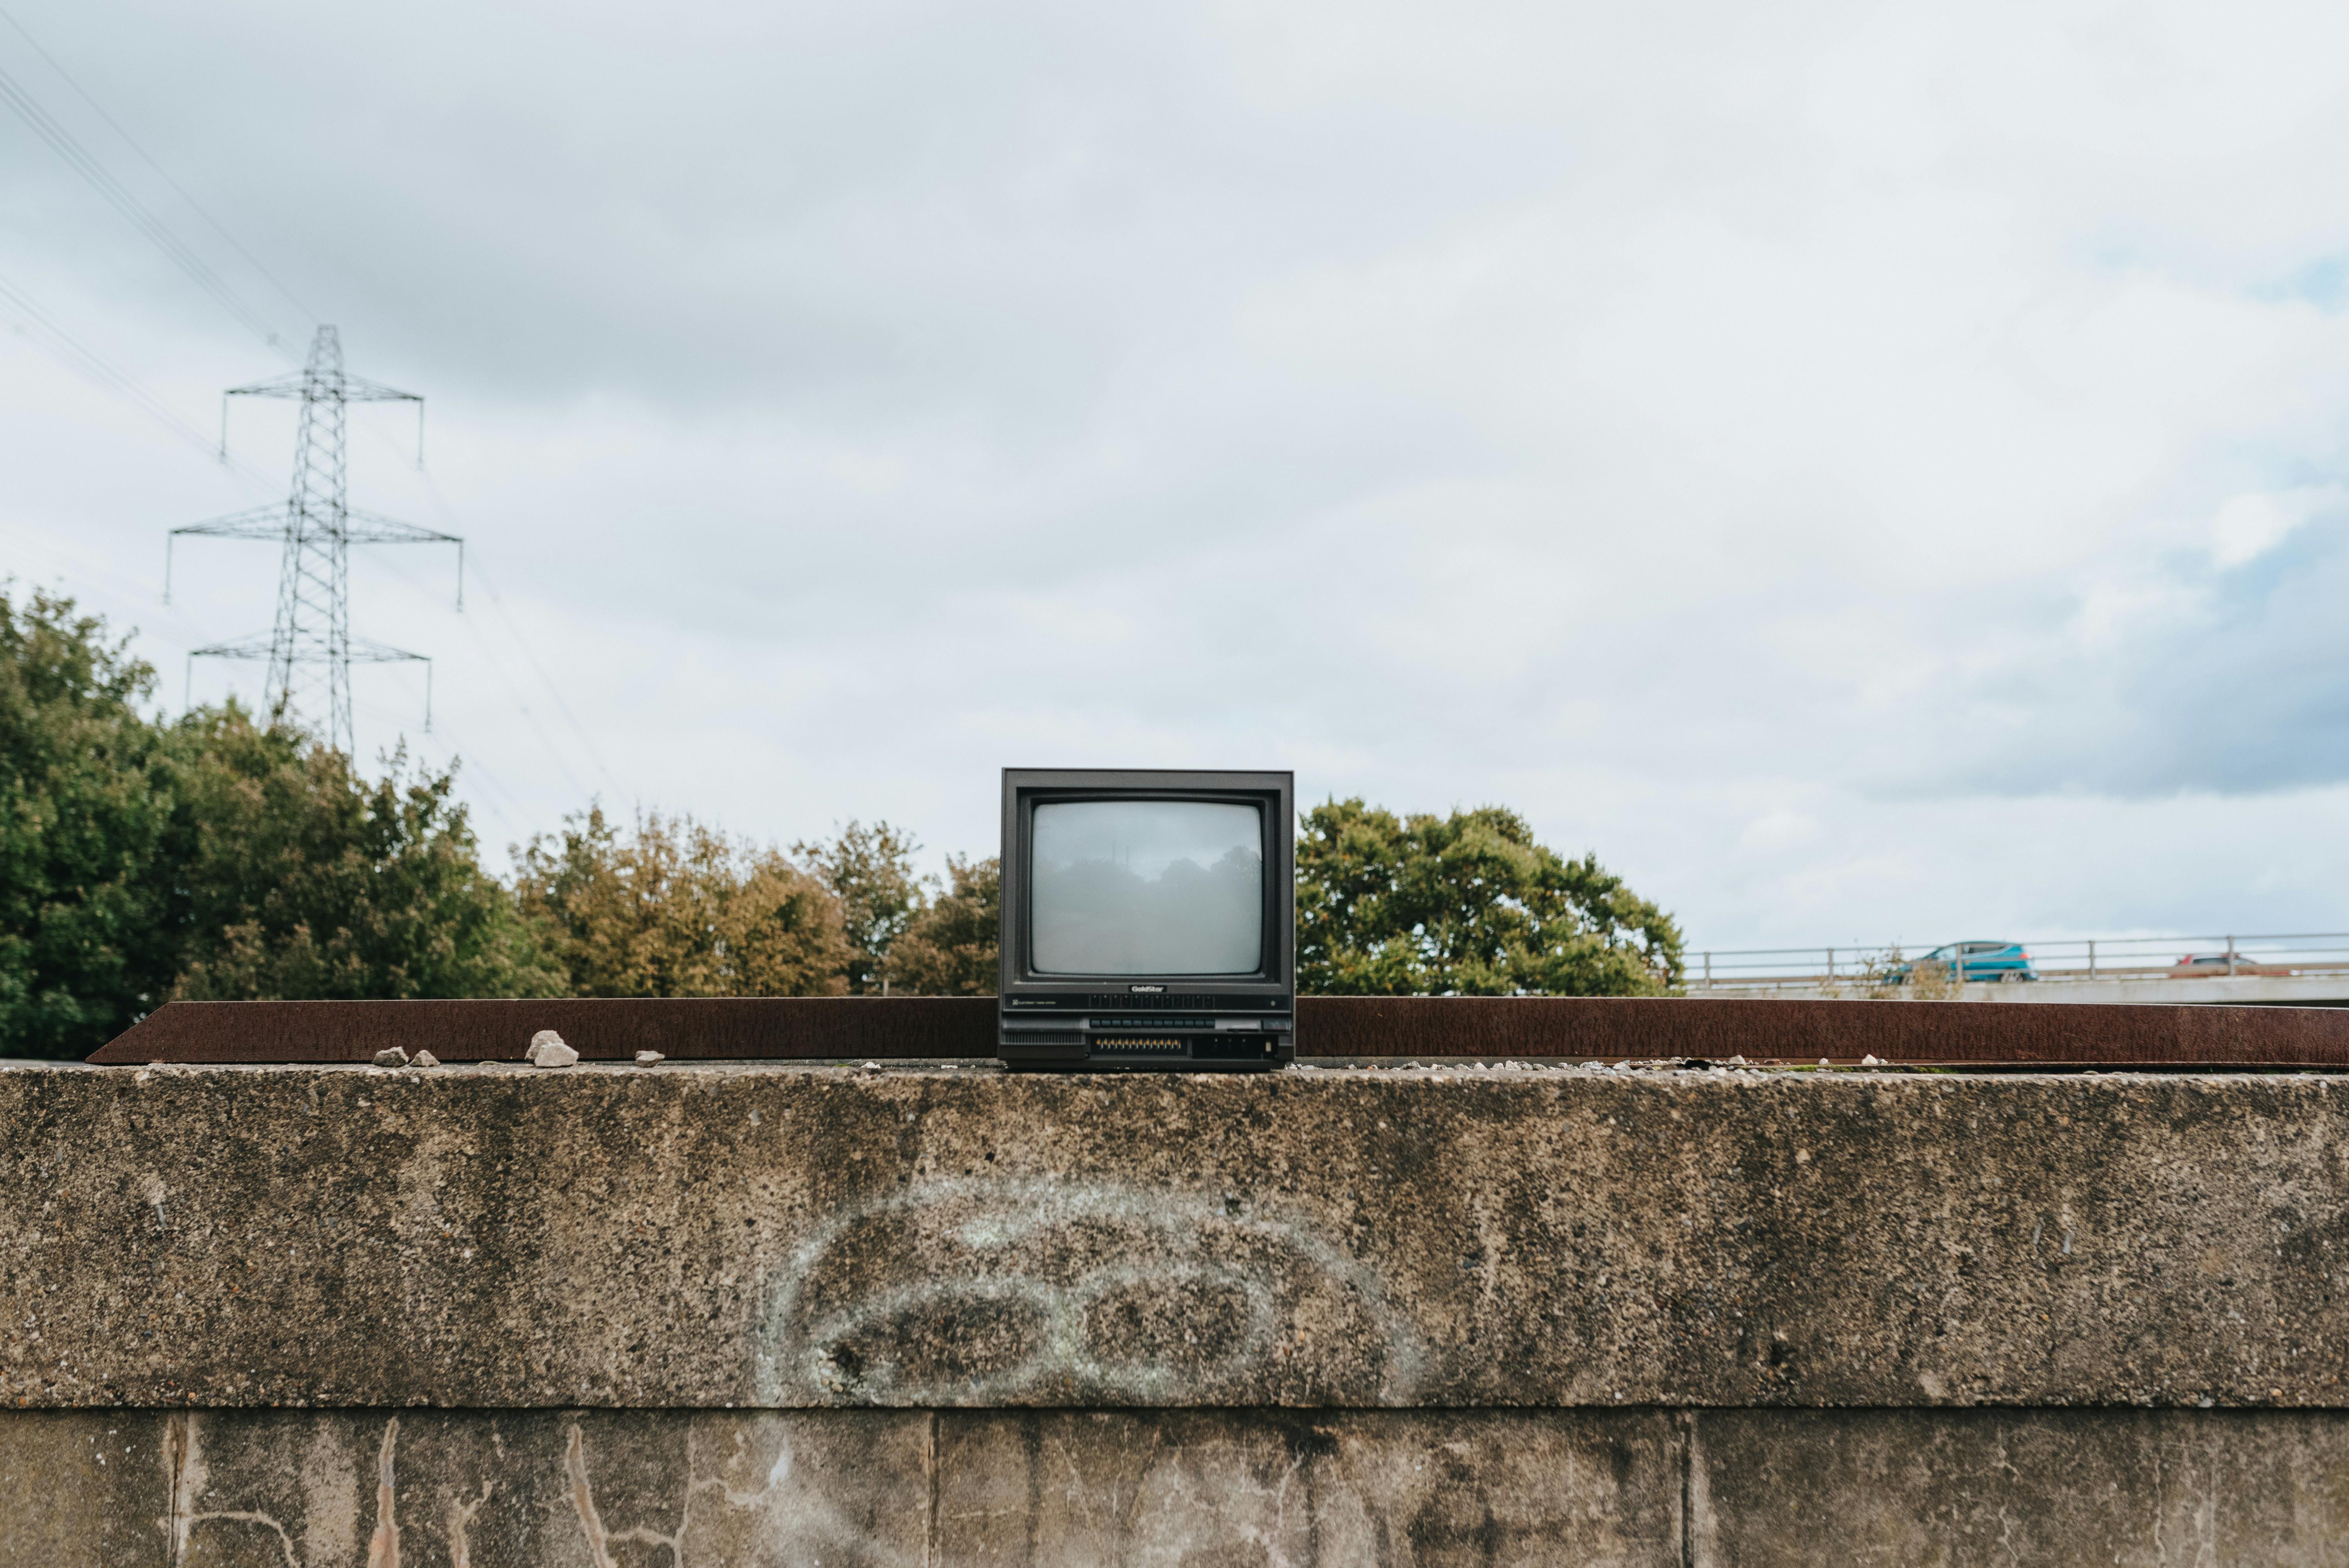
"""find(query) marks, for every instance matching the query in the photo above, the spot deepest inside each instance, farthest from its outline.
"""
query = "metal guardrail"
(1336, 1029)
(2071, 959)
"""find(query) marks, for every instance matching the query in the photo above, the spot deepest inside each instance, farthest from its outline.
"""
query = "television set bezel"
(1274, 793)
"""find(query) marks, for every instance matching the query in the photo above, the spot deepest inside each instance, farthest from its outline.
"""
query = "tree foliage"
(213, 858)
(675, 908)
(1467, 904)
(871, 871)
(85, 806)
(296, 878)
(949, 950)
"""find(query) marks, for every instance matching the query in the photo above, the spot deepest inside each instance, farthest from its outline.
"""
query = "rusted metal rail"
(1490, 1029)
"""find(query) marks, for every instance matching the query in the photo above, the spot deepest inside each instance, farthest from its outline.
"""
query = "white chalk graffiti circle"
(965, 1292)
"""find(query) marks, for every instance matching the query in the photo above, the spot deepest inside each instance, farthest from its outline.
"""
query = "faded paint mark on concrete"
(600, 1536)
(383, 1549)
(461, 1527)
(183, 1473)
(330, 1496)
(184, 1458)
(967, 1292)
(583, 1497)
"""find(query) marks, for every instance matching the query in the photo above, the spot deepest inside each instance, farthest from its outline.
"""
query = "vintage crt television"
(1149, 919)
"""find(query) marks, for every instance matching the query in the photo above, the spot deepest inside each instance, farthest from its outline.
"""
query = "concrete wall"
(751, 1314)
(1188, 1489)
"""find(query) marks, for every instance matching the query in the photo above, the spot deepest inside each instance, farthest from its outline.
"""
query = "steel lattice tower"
(311, 647)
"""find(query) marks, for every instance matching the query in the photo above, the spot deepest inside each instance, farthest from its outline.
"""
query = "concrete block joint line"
(721, 1315)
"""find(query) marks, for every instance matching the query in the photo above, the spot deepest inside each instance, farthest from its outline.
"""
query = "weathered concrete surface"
(1200, 1488)
(80, 1487)
(693, 1236)
(1195, 1487)
(468, 1489)
(1953, 1488)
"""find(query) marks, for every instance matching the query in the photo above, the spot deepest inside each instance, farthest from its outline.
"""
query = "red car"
(2200, 965)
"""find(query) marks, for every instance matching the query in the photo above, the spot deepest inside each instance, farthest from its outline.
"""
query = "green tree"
(871, 871)
(949, 950)
(676, 908)
(85, 806)
(1467, 904)
(213, 858)
(294, 877)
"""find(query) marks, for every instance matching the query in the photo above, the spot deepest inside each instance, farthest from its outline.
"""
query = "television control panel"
(1148, 1030)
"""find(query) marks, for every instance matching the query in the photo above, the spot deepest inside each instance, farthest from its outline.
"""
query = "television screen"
(1147, 887)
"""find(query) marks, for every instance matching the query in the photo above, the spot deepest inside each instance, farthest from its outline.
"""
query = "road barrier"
(1860, 966)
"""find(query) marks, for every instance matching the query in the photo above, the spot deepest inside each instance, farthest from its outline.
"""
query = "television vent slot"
(1140, 1045)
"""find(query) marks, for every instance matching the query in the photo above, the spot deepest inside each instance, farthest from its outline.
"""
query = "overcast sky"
(1870, 472)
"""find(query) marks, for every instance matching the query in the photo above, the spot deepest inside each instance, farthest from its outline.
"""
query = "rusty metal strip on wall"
(902, 1029)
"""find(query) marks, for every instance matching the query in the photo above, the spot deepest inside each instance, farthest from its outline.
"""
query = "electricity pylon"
(311, 644)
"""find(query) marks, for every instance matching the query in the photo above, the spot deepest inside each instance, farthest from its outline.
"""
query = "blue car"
(1974, 961)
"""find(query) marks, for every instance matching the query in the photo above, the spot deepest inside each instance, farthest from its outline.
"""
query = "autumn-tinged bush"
(950, 949)
(673, 907)
(870, 870)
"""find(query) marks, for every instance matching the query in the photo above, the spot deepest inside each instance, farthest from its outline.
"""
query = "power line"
(470, 763)
(497, 602)
(490, 655)
(108, 376)
(522, 702)
(528, 713)
(161, 173)
(102, 571)
(62, 343)
(456, 761)
(158, 233)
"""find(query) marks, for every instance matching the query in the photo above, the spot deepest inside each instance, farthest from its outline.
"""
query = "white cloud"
(1777, 831)
(1667, 421)
(2251, 524)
